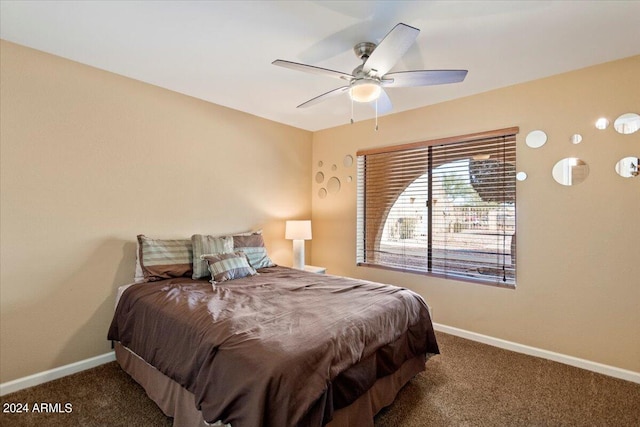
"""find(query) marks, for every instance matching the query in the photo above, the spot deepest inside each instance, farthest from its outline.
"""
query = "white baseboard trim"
(55, 373)
(612, 371)
(600, 368)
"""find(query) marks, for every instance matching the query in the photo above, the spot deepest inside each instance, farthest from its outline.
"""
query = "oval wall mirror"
(322, 193)
(627, 123)
(319, 177)
(570, 171)
(628, 167)
(536, 139)
(347, 161)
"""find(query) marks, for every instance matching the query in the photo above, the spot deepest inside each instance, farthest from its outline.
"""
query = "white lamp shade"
(298, 230)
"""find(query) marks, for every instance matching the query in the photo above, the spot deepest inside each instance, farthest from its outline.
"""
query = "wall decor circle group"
(330, 183)
(573, 170)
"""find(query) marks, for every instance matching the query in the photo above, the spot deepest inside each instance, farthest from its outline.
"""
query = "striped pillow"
(231, 266)
(164, 259)
(207, 245)
(253, 246)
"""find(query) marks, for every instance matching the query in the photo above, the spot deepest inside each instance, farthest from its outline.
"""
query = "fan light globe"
(364, 91)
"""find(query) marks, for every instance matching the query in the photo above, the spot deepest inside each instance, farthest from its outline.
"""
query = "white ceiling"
(221, 51)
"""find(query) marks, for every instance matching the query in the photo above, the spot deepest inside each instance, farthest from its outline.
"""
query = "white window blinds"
(444, 207)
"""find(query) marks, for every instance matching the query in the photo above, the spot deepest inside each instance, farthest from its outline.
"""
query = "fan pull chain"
(376, 114)
(351, 110)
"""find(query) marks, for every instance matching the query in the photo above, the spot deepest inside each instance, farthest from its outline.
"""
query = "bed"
(283, 347)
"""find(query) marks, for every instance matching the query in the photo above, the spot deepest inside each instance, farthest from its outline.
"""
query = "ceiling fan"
(367, 82)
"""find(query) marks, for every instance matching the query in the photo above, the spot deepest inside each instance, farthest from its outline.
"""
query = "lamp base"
(298, 254)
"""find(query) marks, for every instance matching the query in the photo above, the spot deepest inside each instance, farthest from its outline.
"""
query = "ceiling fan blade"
(384, 103)
(423, 78)
(313, 70)
(324, 96)
(391, 49)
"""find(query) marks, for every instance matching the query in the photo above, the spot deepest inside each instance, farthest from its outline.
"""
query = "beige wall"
(578, 279)
(89, 159)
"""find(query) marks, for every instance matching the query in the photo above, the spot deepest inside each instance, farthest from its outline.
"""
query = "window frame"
(363, 233)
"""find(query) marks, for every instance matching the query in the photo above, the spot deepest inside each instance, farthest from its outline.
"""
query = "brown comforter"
(284, 348)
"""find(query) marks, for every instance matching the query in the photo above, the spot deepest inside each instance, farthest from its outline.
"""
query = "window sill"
(441, 276)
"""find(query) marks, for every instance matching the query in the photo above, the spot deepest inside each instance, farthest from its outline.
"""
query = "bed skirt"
(179, 403)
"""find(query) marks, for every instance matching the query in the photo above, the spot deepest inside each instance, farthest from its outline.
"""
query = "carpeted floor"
(469, 384)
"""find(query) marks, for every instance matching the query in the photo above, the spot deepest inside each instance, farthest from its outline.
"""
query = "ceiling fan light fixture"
(365, 90)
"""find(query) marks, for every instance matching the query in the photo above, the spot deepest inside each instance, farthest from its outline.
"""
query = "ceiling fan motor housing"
(363, 50)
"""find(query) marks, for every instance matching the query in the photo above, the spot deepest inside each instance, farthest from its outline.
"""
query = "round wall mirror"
(320, 163)
(319, 177)
(576, 138)
(570, 171)
(347, 161)
(628, 167)
(322, 193)
(602, 123)
(521, 176)
(627, 123)
(536, 139)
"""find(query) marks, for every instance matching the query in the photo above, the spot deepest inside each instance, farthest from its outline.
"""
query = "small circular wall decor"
(333, 185)
(602, 123)
(536, 139)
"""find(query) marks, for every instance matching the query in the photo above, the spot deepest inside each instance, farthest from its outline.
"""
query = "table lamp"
(298, 231)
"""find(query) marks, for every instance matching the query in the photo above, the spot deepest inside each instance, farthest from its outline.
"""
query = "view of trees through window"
(466, 230)
(444, 207)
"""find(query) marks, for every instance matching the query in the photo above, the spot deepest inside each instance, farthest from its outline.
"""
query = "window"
(444, 207)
